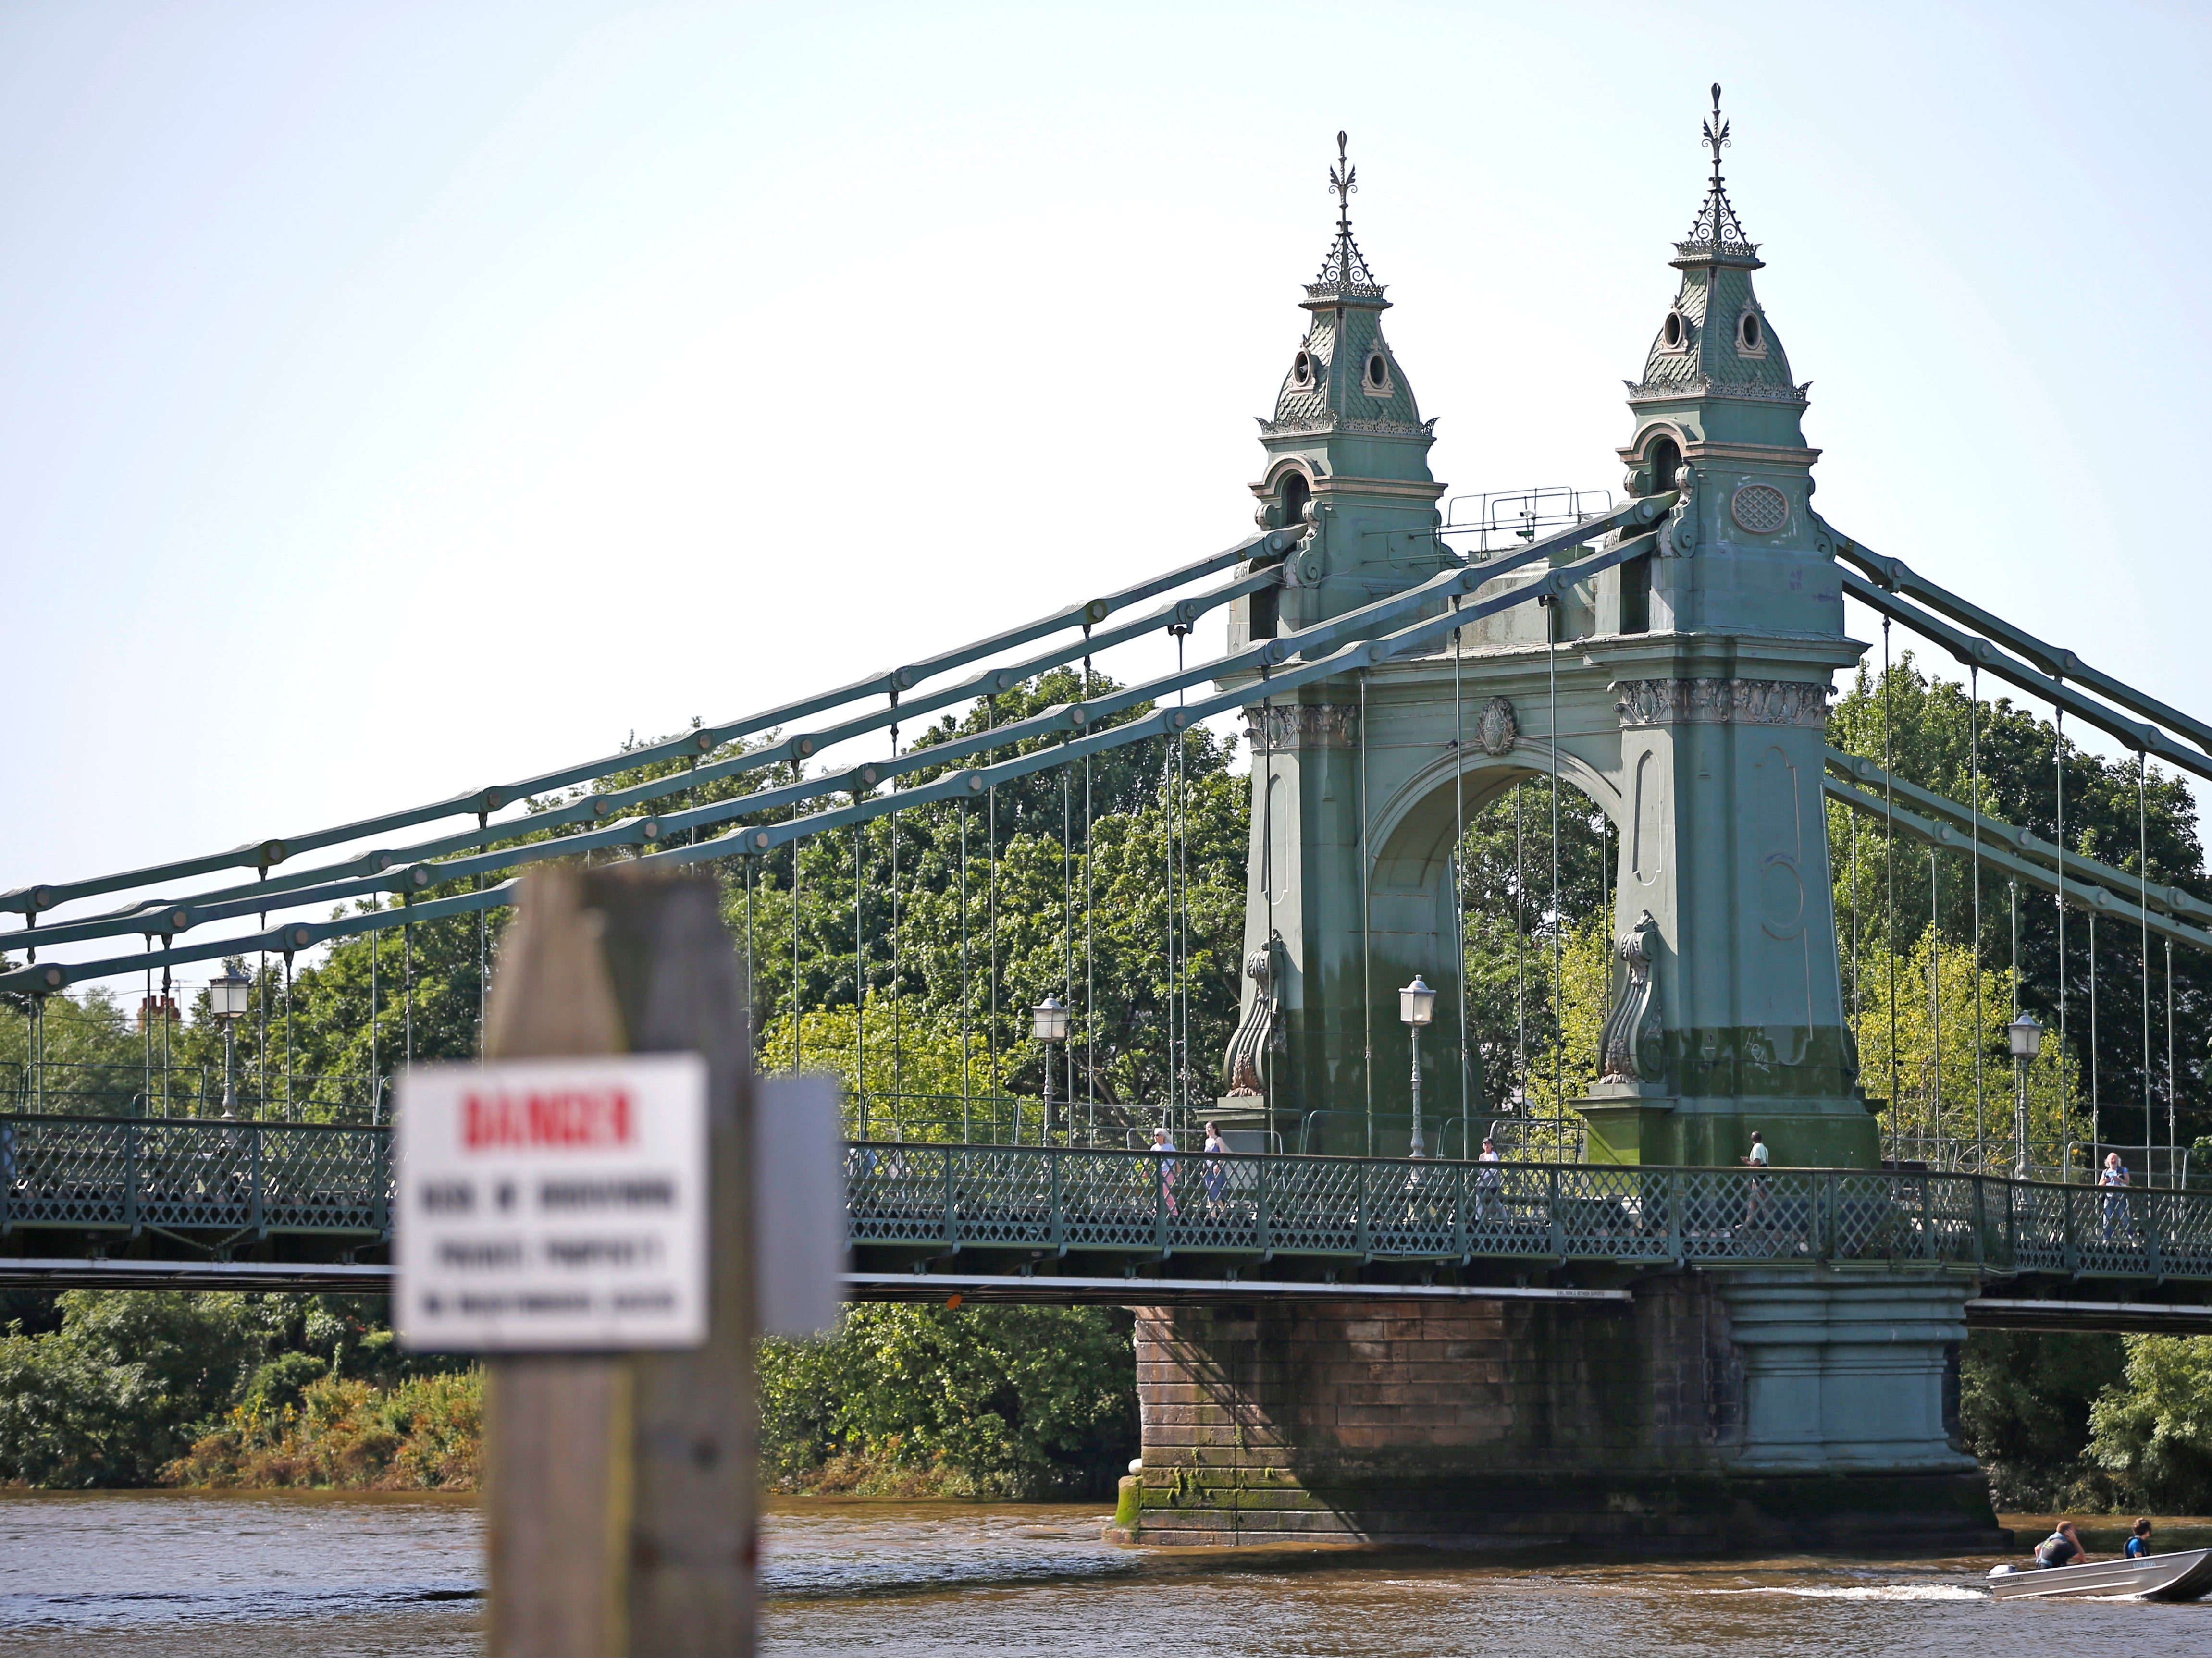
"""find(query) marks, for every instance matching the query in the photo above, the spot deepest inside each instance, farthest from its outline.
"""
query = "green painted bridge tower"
(1685, 692)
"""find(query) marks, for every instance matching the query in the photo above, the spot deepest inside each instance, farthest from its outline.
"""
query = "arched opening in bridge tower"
(1666, 459)
(1536, 963)
(1290, 514)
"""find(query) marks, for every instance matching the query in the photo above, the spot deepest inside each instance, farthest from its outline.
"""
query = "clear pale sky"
(399, 398)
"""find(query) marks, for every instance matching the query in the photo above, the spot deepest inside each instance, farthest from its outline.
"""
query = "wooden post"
(620, 1489)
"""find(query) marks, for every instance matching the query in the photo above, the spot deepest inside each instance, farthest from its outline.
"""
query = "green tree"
(1919, 728)
(998, 1401)
(2152, 1435)
(2024, 1397)
(1517, 1011)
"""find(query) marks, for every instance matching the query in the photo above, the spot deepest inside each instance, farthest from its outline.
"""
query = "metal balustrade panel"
(2185, 1233)
(1740, 1215)
(60, 1171)
(323, 1179)
(1614, 1213)
(1003, 1195)
(196, 1176)
(1315, 1204)
(2039, 1229)
(2108, 1232)
(1508, 1211)
(1116, 1201)
(1212, 1204)
(900, 1198)
(1412, 1209)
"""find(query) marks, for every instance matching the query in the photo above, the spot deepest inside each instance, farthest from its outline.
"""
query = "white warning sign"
(552, 1205)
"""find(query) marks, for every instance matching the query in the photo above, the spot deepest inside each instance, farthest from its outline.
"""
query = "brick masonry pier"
(1700, 1416)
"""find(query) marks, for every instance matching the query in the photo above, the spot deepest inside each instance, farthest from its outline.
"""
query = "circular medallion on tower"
(1760, 508)
(1302, 370)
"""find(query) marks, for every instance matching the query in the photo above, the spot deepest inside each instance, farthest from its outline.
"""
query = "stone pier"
(1714, 1412)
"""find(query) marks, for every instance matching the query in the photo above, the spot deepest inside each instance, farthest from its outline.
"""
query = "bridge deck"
(110, 1200)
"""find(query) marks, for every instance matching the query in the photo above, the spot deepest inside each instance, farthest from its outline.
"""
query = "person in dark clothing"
(2062, 1548)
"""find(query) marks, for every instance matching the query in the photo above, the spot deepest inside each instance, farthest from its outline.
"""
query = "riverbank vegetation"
(144, 1387)
(106, 1387)
(1020, 1402)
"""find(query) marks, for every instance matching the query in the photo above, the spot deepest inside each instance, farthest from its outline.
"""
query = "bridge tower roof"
(1347, 449)
(1716, 372)
(1344, 376)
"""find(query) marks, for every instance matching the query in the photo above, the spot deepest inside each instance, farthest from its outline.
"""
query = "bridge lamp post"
(1048, 1024)
(2025, 1037)
(226, 999)
(1417, 1006)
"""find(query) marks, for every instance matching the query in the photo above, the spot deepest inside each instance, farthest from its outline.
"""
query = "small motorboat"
(2184, 1576)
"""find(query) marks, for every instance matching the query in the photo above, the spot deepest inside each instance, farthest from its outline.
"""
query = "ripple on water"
(196, 1573)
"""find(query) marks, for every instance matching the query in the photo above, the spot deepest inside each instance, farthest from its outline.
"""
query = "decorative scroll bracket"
(1260, 1033)
(1634, 1038)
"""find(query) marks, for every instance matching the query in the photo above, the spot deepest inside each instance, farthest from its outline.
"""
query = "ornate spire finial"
(1345, 270)
(1717, 230)
(1343, 180)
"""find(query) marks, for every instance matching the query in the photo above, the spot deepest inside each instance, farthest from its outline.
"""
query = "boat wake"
(1865, 1592)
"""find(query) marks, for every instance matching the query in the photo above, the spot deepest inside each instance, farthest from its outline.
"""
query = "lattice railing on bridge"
(107, 1174)
(1052, 1200)
(217, 1182)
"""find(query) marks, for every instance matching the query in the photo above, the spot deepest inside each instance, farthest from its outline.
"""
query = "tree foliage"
(1890, 894)
(2152, 1436)
(992, 1401)
(130, 1378)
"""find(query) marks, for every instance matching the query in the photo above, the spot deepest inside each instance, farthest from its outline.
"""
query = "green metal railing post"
(1163, 1180)
(2072, 1255)
(2153, 1256)
(1552, 1207)
(952, 1202)
(380, 1173)
(1460, 1242)
(1059, 1226)
(1981, 1220)
(130, 1177)
(1362, 1171)
(253, 1139)
(1675, 1215)
(1264, 1216)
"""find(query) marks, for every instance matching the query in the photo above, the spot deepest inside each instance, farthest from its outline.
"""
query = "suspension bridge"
(1669, 654)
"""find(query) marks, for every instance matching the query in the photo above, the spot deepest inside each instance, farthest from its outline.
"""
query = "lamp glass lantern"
(1417, 1004)
(2025, 1037)
(227, 999)
(1048, 1024)
(228, 994)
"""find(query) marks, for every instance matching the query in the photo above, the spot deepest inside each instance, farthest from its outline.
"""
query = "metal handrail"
(219, 1183)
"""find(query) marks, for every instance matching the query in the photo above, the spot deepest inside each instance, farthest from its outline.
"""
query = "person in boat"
(2139, 1540)
(2062, 1548)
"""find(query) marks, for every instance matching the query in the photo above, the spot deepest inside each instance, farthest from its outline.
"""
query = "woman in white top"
(1163, 1143)
(2114, 1174)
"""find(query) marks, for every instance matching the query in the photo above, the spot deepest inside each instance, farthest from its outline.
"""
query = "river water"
(251, 1573)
